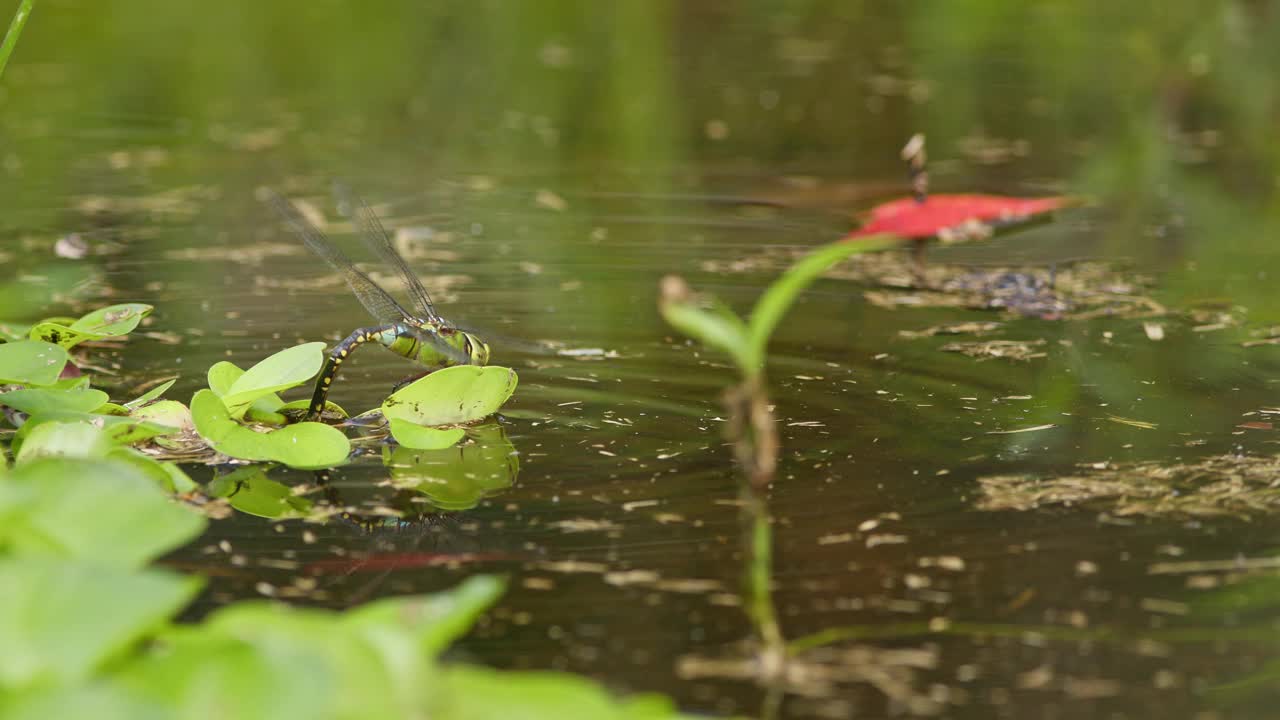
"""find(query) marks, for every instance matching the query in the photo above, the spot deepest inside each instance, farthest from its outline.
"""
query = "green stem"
(760, 572)
(15, 30)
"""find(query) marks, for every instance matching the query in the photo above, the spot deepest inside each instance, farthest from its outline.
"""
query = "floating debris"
(964, 328)
(1222, 485)
(1073, 291)
(1004, 349)
(1132, 423)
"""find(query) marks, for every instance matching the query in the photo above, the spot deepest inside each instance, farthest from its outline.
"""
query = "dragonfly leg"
(334, 363)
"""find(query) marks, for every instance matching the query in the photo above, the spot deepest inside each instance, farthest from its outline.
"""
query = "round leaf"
(305, 445)
(31, 362)
(453, 396)
(283, 370)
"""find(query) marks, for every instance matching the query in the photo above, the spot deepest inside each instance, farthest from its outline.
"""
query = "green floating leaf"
(100, 510)
(12, 332)
(222, 375)
(112, 321)
(781, 293)
(169, 413)
(58, 439)
(305, 445)
(281, 371)
(457, 478)
(121, 430)
(58, 334)
(61, 621)
(453, 396)
(250, 491)
(31, 362)
(419, 437)
(150, 395)
(35, 401)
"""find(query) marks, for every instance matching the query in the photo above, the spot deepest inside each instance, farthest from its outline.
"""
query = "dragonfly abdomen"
(384, 335)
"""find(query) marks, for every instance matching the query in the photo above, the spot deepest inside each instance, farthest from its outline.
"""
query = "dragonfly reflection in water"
(422, 336)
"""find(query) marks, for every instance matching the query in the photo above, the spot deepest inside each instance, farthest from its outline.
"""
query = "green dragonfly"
(422, 336)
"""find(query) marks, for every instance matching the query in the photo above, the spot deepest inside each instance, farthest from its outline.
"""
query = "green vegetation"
(751, 428)
(88, 628)
(87, 625)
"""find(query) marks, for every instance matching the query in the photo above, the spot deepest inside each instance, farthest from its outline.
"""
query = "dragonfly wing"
(375, 236)
(376, 300)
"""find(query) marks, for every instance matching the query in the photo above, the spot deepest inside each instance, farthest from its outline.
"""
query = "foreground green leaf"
(61, 621)
(452, 396)
(305, 445)
(99, 510)
(475, 693)
(31, 362)
(100, 701)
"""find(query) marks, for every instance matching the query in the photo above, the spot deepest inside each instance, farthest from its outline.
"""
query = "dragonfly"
(421, 335)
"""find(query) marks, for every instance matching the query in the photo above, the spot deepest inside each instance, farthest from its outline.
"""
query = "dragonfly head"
(475, 348)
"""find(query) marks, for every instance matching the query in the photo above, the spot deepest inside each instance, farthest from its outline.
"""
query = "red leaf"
(909, 218)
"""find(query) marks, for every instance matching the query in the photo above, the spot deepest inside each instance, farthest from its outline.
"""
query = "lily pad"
(250, 491)
(34, 401)
(418, 437)
(224, 374)
(112, 321)
(452, 396)
(31, 362)
(166, 412)
(305, 445)
(281, 371)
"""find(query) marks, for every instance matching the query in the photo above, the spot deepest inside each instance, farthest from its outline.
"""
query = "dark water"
(563, 160)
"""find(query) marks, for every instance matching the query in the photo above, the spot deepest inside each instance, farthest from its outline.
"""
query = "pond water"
(545, 164)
